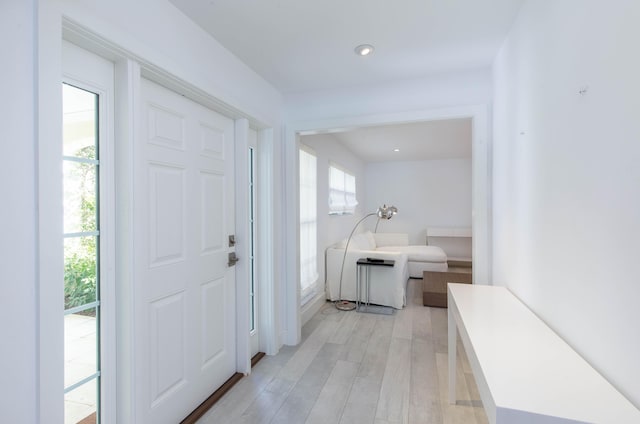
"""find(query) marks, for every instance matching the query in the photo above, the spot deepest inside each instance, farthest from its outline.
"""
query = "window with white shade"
(342, 192)
(308, 224)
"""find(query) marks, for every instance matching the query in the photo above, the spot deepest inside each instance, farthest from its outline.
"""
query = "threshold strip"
(197, 413)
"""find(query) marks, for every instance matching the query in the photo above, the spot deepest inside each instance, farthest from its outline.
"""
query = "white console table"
(524, 371)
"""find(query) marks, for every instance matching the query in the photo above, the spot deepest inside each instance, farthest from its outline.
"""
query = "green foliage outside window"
(79, 280)
(80, 268)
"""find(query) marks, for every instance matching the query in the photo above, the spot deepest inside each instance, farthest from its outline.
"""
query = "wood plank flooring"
(354, 368)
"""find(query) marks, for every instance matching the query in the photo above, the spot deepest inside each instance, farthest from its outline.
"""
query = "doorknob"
(232, 259)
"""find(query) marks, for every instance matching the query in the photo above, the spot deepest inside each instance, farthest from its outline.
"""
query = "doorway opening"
(480, 189)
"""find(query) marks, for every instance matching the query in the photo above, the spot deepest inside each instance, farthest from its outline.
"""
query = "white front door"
(185, 291)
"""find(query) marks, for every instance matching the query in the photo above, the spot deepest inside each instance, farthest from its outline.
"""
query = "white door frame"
(129, 70)
(253, 182)
(481, 191)
(242, 248)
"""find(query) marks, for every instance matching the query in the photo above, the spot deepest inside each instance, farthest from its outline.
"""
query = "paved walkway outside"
(79, 362)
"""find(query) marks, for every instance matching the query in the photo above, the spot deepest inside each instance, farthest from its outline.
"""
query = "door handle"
(232, 259)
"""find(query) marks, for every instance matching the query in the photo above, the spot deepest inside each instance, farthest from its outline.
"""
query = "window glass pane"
(80, 196)
(349, 183)
(80, 125)
(80, 271)
(352, 202)
(342, 192)
(81, 264)
(336, 201)
(308, 267)
(336, 179)
(308, 218)
(81, 402)
(252, 235)
(80, 346)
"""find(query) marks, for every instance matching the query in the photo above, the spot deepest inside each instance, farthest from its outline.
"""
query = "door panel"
(166, 214)
(212, 193)
(185, 292)
(167, 346)
(213, 324)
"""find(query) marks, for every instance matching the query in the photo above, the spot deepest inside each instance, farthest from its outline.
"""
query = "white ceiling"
(446, 139)
(300, 45)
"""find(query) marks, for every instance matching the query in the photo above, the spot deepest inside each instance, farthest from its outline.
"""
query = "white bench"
(524, 371)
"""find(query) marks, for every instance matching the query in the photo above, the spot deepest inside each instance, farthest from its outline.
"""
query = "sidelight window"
(81, 184)
(308, 223)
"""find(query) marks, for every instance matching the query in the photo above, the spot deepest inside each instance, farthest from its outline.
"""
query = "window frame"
(97, 79)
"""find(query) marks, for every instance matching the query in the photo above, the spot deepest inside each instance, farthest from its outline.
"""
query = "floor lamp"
(383, 212)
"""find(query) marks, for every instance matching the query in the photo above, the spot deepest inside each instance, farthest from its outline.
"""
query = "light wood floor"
(358, 368)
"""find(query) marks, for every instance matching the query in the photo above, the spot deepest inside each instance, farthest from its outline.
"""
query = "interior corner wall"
(429, 193)
(566, 178)
(333, 228)
(18, 314)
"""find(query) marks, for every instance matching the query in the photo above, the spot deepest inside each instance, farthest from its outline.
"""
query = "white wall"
(566, 176)
(158, 32)
(430, 193)
(333, 228)
(437, 91)
(18, 275)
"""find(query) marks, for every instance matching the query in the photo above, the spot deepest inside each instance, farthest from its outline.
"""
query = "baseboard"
(310, 308)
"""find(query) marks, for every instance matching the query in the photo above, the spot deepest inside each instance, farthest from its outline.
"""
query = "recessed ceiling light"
(396, 150)
(364, 49)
